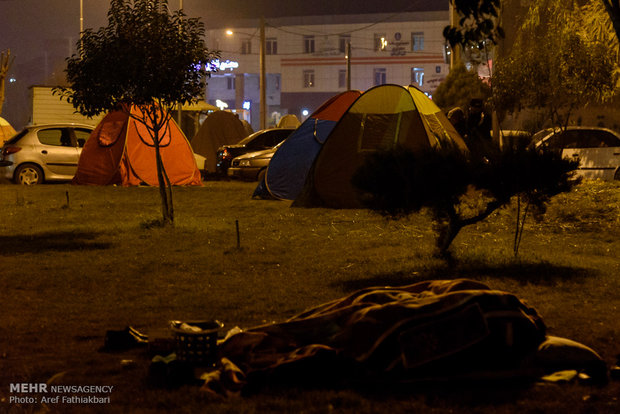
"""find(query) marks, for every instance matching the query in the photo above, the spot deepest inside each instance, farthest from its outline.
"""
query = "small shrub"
(459, 191)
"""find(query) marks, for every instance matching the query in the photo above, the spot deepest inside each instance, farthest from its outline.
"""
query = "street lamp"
(262, 76)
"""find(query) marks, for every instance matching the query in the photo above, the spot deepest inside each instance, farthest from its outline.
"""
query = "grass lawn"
(78, 261)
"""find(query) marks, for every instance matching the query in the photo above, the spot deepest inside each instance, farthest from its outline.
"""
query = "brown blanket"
(428, 329)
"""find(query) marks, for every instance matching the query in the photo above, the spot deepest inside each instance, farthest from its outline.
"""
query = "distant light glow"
(11, 80)
(247, 105)
(229, 32)
(221, 104)
(305, 112)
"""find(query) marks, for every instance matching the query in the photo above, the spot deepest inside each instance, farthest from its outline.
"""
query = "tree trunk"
(165, 189)
(448, 227)
(5, 65)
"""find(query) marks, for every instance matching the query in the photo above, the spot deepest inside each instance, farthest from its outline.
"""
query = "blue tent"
(291, 162)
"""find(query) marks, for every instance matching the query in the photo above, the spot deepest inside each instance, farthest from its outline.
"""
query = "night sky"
(42, 33)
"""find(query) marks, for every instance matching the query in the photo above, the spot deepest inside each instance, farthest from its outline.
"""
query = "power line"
(389, 17)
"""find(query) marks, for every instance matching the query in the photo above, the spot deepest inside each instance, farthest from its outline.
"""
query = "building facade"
(310, 59)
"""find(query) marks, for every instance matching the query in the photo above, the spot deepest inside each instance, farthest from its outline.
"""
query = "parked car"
(251, 166)
(597, 149)
(258, 141)
(41, 153)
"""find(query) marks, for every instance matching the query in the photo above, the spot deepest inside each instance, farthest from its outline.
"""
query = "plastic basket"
(198, 347)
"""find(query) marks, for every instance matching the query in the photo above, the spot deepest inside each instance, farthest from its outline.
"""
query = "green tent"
(381, 118)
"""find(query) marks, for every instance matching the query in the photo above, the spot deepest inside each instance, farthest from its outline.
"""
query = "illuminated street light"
(262, 71)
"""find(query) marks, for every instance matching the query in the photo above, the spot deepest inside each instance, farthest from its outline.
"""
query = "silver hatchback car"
(597, 149)
(41, 153)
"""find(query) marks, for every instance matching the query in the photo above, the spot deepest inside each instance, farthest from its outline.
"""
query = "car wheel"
(617, 174)
(261, 175)
(28, 174)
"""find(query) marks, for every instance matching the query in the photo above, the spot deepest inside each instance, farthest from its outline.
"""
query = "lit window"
(308, 44)
(380, 41)
(230, 82)
(271, 46)
(417, 76)
(246, 47)
(417, 41)
(309, 78)
(342, 78)
(380, 76)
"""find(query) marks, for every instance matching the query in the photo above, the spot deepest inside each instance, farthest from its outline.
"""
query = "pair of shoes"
(123, 339)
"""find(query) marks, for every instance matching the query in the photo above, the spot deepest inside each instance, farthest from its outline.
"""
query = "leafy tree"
(598, 27)
(5, 64)
(456, 190)
(612, 7)
(148, 57)
(479, 20)
(552, 67)
(459, 87)
(479, 23)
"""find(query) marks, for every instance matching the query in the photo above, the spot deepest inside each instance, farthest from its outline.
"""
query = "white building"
(306, 59)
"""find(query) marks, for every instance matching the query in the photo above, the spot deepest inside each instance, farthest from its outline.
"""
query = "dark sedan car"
(258, 141)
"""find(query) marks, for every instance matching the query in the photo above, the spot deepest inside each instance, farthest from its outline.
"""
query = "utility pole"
(348, 57)
(262, 81)
(81, 21)
(180, 106)
(455, 56)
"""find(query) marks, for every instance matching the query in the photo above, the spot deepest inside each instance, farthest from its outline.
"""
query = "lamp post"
(455, 56)
(262, 72)
(262, 80)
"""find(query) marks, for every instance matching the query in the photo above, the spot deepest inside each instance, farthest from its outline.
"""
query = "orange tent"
(120, 151)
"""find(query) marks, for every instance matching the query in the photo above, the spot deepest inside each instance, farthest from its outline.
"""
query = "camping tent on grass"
(290, 164)
(219, 128)
(383, 117)
(6, 131)
(288, 121)
(120, 151)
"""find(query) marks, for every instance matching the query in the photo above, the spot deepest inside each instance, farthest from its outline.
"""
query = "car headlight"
(244, 163)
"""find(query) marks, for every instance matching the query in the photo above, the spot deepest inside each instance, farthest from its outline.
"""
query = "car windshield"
(249, 138)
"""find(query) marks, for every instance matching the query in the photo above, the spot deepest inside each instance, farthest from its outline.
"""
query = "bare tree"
(6, 60)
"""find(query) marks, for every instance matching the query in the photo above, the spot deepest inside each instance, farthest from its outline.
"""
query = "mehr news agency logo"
(42, 393)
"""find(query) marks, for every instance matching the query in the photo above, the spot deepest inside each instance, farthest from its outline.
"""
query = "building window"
(309, 78)
(343, 40)
(308, 44)
(246, 46)
(230, 82)
(417, 76)
(380, 76)
(271, 46)
(417, 41)
(342, 78)
(380, 42)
